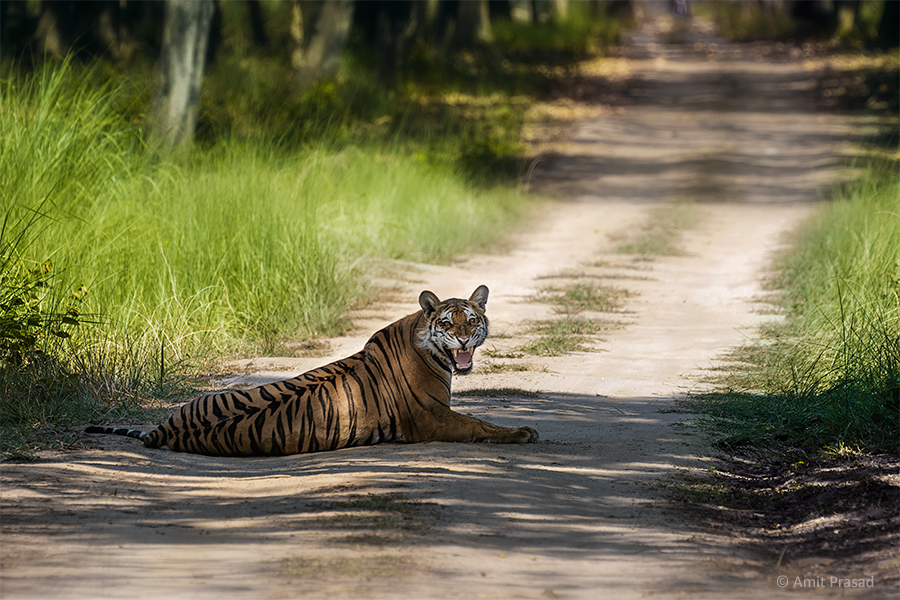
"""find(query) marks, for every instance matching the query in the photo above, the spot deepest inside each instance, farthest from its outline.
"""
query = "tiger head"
(454, 328)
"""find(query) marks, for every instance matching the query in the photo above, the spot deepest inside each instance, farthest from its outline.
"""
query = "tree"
(118, 30)
(500, 10)
(474, 24)
(846, 14)
(176, 97)
(257, 24)
(319, 32)
(461, 24)
(889, 28)
(387, 29)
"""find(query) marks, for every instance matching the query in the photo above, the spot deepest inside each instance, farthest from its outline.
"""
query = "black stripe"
(279, 435)
(217, 411)
(288, 420)
(312, 444)
(351, 411)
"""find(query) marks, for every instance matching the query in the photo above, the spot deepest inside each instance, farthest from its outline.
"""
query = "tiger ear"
(480, 296)
(429, 302)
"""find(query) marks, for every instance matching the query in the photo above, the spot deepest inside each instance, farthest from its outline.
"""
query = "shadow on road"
(578, 495)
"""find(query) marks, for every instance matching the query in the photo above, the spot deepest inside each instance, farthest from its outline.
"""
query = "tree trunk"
(387, 27)
(257, 24)
(473, 24)
(461, 24)
(623, 9)
(319, 32)
(176, 98)
(889, 28)
(561, 10)
(443, 26)
(215, 33)
(113, 28)
(847, 12)
(500, 9)
(49, 33)
(536, 12)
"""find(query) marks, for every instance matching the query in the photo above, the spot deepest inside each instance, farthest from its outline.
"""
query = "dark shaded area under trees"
(388, 37)
(383, 34)
(122, 29)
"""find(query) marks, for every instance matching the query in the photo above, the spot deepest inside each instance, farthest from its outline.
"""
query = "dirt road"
(581, 513)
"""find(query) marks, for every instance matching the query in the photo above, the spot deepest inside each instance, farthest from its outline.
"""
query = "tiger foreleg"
(454, 427)
(511, 435)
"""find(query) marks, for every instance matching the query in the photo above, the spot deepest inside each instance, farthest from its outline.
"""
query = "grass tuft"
(662, 234)
(491, 367)
(583, 296)
(561, 336)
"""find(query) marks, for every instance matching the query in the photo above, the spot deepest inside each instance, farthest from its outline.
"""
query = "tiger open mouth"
(462, 359)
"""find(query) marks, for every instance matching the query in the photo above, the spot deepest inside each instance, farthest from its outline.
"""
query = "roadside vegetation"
(809, 413)
(827, 378)
(862, 24)
(126, 270)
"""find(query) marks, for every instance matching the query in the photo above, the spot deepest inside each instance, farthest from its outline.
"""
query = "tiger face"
(454, 328)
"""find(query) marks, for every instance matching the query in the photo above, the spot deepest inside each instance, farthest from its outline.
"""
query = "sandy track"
(579, 513)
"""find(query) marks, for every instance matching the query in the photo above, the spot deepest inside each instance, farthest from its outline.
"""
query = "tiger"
(396, 389)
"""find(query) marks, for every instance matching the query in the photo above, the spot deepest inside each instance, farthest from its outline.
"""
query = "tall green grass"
(246, 243)
(828, 379)
(242, 236)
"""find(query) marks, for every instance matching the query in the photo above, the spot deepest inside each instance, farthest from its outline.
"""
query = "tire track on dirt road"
(581, 513)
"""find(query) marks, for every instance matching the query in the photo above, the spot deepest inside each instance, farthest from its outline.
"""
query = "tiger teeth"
(466, 360)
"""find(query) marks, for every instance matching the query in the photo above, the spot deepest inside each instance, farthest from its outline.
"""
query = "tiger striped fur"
(396, 389)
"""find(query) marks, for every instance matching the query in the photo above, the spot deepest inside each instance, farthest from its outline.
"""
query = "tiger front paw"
(526, 435)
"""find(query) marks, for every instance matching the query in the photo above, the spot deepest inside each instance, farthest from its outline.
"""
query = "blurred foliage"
(28, 314)
(854, 24)
(858, 81)
(462, 107)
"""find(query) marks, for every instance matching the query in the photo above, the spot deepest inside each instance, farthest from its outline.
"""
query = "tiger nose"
(462, 341)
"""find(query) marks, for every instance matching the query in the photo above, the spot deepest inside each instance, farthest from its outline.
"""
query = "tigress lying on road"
(396, 389)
